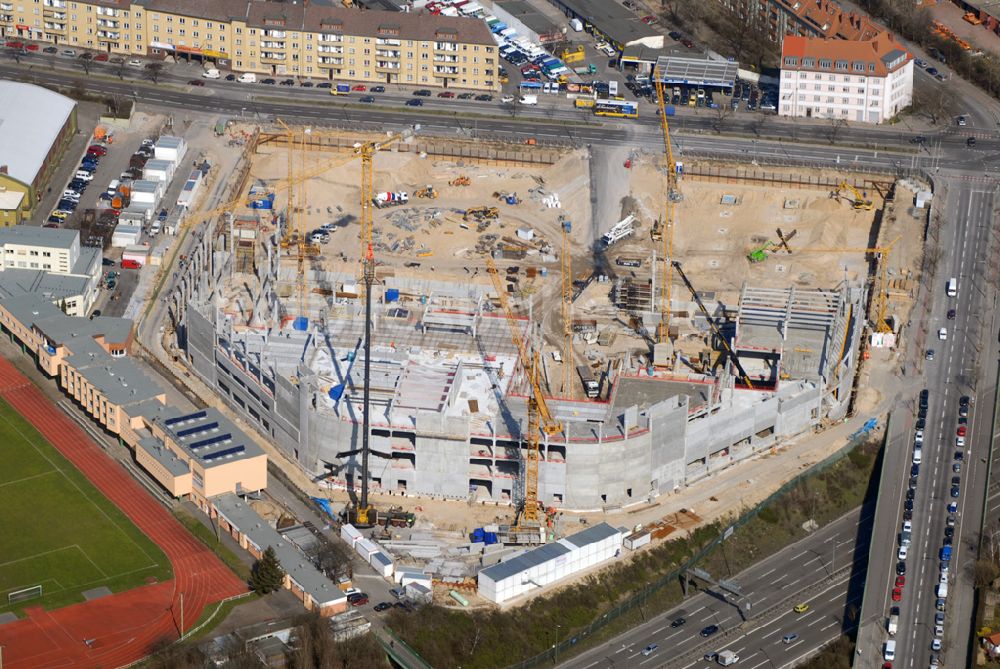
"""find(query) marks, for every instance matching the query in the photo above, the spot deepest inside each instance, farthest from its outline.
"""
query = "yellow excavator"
(858, 202)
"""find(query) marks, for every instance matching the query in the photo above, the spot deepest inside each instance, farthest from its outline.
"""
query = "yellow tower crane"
(880, 299)
(567, 309)
(540, 419)
(664, 230)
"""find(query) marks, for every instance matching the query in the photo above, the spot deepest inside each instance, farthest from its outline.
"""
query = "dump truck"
(590, 385)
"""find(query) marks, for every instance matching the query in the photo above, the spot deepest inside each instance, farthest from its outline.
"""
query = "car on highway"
(929, 355)
(677, 622)
(414, 102)
(709, 630)
(970, 142)
(789, 638)
(951, 314)
(897, 594)
(903, 552)
(942, 334)
(367, 98)
(650, 649)
(196, 82)
(484, 97)
(800, 608)
(919, 139)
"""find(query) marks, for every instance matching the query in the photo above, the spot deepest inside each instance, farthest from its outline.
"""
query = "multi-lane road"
(824, 570)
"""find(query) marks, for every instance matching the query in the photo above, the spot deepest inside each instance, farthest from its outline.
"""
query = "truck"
(620, 231)
(576, 25)
(584, 71)
(893, 625)
(390, 199)
(590, 386)
(727, 658)
(341, 89)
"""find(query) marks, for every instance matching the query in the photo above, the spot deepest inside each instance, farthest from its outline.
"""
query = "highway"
(824, 570)
(959, 368)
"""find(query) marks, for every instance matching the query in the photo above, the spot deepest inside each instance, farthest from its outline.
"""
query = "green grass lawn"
(58, 530)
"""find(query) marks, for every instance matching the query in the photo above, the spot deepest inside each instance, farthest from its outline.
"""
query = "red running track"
(118, 629)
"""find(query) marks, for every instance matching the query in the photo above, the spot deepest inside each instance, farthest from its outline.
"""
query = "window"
(824, 63)
(791, 61)
(841, 65)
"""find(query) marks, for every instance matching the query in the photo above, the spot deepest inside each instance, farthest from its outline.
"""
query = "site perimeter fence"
(715, 173)
(897, 171)
(642, 596)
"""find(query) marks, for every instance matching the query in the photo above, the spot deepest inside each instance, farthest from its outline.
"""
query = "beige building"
(272, 38)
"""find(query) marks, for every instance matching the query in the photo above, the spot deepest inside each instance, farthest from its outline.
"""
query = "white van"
(613, 89)
(942, 590)
(211, 73)
(952, 287)
(890, 650)
(247, 78)
(917, 456)
(529, 100)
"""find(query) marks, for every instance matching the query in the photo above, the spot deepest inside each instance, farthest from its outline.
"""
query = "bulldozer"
(482, 214)
(460, 181)
(427, 191)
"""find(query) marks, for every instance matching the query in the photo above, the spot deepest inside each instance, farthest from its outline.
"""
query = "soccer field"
(59, 532)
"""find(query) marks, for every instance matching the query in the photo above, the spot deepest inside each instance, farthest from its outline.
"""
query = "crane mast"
(666, 228)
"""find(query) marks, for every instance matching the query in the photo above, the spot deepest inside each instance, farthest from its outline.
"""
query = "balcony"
(330, 37)
(6, 18)
(388, 42)
(444, 71)
(272, 45)
(331, 62)
(386, 53)
(330, 49)
(54, 15)
(108, 35)
(386, 65)
(278, 34)
(272, 57)
(105, 23)
(106, 11)
(445, 46)
(55, 27)
(6, 6)
(59, 4)
(445, 59)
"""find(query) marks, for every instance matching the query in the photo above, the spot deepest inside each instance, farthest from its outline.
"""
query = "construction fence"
(720, 174)
(640, 598)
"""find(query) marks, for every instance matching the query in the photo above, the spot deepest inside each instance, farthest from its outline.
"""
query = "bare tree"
(836, 125)
(723, 110)
(984, 572)
(331, 559)
(937, 102)
(119, 63)
(85, 63)
(153, 71)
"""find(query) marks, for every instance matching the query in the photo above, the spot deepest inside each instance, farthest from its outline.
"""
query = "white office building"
(51, 263)
(867, 81)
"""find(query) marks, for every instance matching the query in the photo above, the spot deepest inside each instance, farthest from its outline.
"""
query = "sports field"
(58, 531)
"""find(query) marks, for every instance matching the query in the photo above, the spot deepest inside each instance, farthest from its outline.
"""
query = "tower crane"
(711, 324)
(540, 419)
(566, 261)
(664, 231)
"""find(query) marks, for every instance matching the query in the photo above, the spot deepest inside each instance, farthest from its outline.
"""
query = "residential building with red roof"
(868, 81)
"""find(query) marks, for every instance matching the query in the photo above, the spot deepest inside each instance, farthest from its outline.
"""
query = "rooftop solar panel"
(210, 442)
(196, 429)
(180, 419)
(235, 450)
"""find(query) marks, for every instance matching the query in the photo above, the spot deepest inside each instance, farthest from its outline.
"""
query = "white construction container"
(365, 548)
(146, 192)
(409, 573)
(142, 213)
(350, 534)
(190, 189)
(125, 235)
(381, 563)
(637, 540)
(170, 148)
(158, 170)
(421, 578)
(137, 252)
(419, 593)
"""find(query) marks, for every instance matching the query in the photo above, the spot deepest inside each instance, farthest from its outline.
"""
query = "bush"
(769, 515)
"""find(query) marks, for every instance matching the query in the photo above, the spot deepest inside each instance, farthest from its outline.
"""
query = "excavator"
(858, 203)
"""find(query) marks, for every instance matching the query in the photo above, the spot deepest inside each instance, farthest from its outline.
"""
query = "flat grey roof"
(145, 186)
(164, 456)
(295, 564)
(44, 284)
(523, 562)
(31, 118)
(527, 14)
(208, 436)
(60, 238)
(612, 19)
(699, 71)
(119, 379)
(29, 308)
(169, 141)
(592, 535)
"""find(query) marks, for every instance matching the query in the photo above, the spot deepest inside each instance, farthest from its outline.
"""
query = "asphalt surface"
(964, 364)
(823, 570)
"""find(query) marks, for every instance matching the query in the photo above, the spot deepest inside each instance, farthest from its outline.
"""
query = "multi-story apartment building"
(271, 38)
(50, 262)
(806, 18)
(869, 81)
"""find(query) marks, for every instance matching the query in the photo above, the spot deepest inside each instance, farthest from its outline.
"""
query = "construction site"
(517, 351)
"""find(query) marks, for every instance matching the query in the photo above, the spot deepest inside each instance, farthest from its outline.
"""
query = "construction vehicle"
(858, 203)
(760, 254)
(569, 55)
(509, 198)
(590, 386)
(618, 232)
(528, 522)
(460, 181)
(481, 214)
(427, 192)
(663, 232)
(390, 199)
(711, 324)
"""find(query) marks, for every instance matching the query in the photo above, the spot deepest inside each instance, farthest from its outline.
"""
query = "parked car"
(50, 50)
(97, 150)
(422, 93)
(306, 84)
(101, 57)
(378, 89)
(361, 88)
(484, 97)
(130, 264)
(466, 96)
(446, 94)
(324, 84)
(287, 82)
(269, 82)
